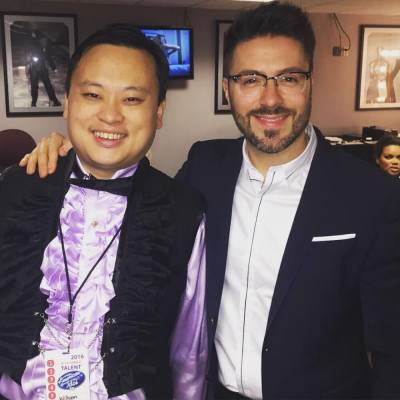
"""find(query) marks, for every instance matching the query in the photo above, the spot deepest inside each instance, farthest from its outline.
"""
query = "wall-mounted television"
(177, 44)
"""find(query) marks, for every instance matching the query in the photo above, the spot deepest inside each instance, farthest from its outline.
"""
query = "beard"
(274, 144)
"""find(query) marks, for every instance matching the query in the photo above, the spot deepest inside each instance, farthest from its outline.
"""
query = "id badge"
(67, 374)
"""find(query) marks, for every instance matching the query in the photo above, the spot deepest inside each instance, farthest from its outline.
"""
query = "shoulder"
(15, 181)
(15, 177)
(216, 147)
(348, 165)
(206, 157)
(358, 178)
(182, 193)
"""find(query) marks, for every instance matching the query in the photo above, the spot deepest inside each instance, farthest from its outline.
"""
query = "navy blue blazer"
(333, 300)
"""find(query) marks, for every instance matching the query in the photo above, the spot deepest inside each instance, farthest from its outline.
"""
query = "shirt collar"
(121, 173)
(283, 171)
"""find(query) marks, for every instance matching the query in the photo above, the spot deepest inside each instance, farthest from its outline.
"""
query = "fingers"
(31, 162)
(49, 151)
(58, 145)
(42, 159)
(45, 155)
(66, 146)
(24, 160)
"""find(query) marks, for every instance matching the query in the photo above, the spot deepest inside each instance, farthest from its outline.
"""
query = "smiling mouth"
(271, 117)
(109, 135)
(271, 121)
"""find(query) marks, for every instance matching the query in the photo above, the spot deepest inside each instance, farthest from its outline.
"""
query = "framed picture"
(36, 52)
(221, 105)
(378, 82)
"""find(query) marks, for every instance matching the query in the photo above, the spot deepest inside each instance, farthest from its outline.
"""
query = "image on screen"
(177, 46)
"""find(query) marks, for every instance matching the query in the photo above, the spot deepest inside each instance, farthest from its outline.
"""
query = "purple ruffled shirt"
(89, 219)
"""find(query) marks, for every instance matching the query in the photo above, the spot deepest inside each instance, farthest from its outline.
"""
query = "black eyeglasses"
(287, 82)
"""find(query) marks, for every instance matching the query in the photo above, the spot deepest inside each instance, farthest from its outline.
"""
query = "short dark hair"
(385, 140)
(274, 19)
(127, 36)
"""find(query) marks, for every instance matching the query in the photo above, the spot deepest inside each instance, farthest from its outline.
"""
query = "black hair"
(274, 19)
(385, 140)
(127, 36)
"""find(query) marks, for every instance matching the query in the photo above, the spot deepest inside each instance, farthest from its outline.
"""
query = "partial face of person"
(389, 160)
(112, 109)
(272, 117)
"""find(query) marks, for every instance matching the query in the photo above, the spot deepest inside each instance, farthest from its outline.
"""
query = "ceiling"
(372, 7)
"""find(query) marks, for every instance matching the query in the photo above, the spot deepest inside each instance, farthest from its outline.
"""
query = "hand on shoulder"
(45, 155)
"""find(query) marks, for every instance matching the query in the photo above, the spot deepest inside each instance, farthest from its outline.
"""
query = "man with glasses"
(303, 261)
(303, 277)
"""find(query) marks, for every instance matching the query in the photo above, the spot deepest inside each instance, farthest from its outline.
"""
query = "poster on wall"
(36, 52)
(378, 83)
(221, 104)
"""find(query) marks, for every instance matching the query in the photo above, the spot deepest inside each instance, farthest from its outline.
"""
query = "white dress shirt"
(262, 216)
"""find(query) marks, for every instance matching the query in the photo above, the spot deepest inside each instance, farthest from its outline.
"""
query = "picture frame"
(36, 52)
(378, 80)
(221, 104)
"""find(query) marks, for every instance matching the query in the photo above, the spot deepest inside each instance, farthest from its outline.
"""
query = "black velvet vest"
(157, 236)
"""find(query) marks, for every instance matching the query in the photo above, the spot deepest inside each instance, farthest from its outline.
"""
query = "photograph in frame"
(221, 104)
(378, 81)
(36, 52)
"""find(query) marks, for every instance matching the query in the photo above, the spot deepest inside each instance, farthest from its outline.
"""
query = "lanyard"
(71, 297)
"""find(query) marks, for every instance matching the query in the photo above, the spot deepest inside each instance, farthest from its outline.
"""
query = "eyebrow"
(282, 71)
(96, 84)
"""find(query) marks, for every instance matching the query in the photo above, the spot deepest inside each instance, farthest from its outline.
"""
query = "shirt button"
(266, 349)
(94, 224)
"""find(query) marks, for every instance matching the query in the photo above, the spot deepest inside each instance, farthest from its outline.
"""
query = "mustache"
(279, 110)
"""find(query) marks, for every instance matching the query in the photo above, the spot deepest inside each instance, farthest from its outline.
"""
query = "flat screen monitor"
(177, 44)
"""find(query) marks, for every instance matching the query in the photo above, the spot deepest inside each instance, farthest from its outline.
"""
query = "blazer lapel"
(219, 211)
(309, 215)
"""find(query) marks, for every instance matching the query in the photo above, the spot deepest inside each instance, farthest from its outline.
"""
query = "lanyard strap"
(71, 297)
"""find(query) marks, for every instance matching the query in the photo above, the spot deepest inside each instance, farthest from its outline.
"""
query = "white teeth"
(272, 117)
(108, 136)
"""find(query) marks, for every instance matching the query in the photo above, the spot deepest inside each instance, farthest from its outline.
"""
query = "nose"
(110, 112)
(270, 95)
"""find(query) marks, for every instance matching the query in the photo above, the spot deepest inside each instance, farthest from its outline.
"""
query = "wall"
(334, 95)
(190, 104)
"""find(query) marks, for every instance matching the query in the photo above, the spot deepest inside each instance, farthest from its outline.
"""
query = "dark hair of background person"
(127, 36)
(272, 19)
(385, 140)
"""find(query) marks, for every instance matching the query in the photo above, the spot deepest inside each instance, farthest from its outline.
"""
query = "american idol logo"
(71, 380)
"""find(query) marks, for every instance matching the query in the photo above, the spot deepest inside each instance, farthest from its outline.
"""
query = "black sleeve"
(184, 173)
(380, 300)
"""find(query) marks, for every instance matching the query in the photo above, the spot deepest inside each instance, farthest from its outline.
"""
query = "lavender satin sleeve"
(189, 343)
(10, 389)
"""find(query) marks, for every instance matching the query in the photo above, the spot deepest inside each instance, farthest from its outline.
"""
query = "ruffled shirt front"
(89, 219)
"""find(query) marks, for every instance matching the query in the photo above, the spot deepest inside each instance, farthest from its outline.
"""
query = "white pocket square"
(330, 238)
